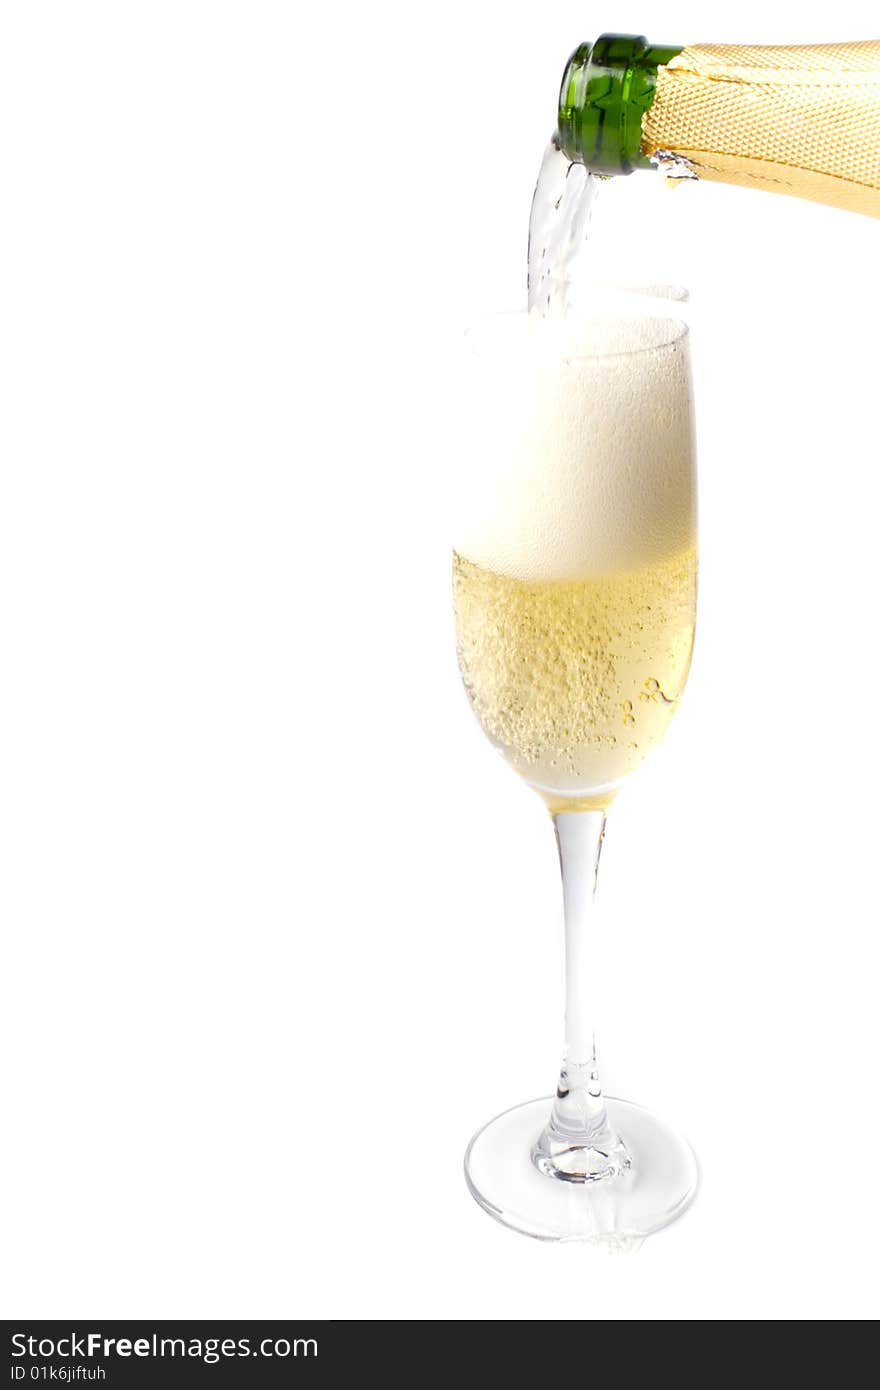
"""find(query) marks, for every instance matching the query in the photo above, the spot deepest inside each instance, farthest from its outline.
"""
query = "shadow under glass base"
(617, 1212)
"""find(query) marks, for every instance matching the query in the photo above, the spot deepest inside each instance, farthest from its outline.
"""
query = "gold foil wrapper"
(802, 120)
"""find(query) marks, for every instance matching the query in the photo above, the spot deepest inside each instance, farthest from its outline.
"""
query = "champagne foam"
(580, 454)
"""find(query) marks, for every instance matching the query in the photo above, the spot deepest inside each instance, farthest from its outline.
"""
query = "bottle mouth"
(607, 87)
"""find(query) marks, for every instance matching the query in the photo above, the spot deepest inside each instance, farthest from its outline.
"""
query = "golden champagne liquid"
(575, 681)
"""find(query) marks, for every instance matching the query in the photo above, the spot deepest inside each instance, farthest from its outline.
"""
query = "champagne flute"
(574, 574)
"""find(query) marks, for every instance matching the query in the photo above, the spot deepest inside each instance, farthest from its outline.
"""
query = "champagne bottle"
(800, 120)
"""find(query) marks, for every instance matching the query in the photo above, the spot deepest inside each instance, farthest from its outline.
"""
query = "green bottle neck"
(606, 89)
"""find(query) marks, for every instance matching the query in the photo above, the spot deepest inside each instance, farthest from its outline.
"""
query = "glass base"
(617, 1211)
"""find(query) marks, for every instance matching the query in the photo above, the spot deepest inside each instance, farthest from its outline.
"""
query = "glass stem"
(578, 1143)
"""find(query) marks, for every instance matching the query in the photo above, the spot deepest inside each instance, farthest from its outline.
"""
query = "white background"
(279, 929)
